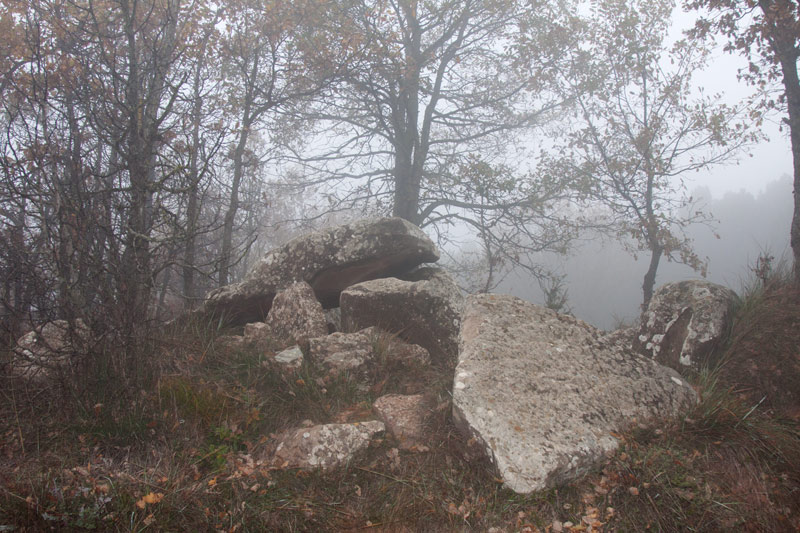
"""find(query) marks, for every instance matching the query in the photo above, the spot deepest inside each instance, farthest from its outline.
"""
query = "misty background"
(604, 282)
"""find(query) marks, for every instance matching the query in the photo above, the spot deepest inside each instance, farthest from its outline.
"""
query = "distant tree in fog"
(642, 129)
(767, 33)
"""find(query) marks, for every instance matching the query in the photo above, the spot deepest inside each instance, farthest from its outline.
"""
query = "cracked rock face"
(343, 352)
(684, 322)
(329, 261)
(296, 314)
(424, 309)
(404, 417)
(542, 392)
(325, 446)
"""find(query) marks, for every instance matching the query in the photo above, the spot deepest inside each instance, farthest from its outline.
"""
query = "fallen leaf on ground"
(149, 498)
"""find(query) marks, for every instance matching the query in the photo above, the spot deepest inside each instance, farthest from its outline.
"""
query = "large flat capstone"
(543, 392)
(329, 261)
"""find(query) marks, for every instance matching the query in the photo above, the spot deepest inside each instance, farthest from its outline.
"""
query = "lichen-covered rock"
(49, 348)
(396, 351)
(257, 333)
(621, 338)
(542, 393)
(296, 314)
(352, 352)
(343, 352)
(290, 358)
(424, 309)
(325, 446)
(404, 416)
(329, 260)
(683, 323)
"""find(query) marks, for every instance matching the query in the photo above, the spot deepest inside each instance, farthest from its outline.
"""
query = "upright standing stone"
(684, 322)
(296, 314)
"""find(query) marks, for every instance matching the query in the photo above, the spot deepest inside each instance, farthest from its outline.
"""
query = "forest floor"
(181, 450)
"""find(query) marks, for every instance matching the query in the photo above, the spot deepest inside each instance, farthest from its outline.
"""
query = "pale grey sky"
(767, 161)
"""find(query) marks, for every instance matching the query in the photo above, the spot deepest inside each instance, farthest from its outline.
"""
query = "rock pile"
(329, 261)
(542, 393)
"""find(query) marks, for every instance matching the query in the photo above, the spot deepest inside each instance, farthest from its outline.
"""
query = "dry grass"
(181, 450)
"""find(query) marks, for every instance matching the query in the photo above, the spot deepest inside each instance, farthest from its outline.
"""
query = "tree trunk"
(406, 191)
(791, 83)
(650, 277)
(233, 206)
(192, 209)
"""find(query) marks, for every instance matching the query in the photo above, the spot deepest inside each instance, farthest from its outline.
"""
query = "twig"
(750, 412)
(16, 416)
(387, 476)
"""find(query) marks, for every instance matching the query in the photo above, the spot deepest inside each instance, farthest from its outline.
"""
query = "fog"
(604, 281)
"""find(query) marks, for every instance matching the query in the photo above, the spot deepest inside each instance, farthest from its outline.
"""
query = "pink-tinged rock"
(544, 393)
(423, 309)
(329, 261)
(404, 417)
(296, 315)
(684, 322)
(325, 446)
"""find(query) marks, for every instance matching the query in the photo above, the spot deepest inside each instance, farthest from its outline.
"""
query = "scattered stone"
(404, 417)
(329, 261)
(49, 349)
(291, 358)
(296, 314)
(343, 352)
(423, 309)
(542, 393)
(397, 351)
(325, 446)
(258, 333)
(684, 322)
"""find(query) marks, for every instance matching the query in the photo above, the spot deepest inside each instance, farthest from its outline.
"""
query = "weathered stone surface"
(403, 352)
(325, 446)
(423, 309)
(621, 338)
(49, 348)
(542, 393)
(296, 314)
(231, 343)
(329, 261)
(344, 352)
(404, 417)
(290, 358)
(351, 352)
(684, 322)
(257, 333)
(333, 317)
